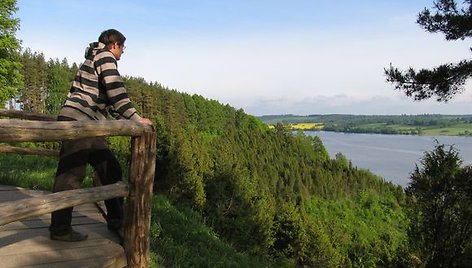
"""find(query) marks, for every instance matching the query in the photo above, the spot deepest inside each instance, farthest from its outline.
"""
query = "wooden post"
(138, 214)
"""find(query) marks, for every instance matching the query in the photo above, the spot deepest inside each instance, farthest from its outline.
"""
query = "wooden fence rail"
(37, 206)
(13, 130)
(140, 183)
(28, 116)
(29, 151)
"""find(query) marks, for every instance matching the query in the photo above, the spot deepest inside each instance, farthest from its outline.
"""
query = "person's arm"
(116, 92)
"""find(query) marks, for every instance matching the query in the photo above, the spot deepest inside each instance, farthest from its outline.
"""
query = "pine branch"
(444, 81)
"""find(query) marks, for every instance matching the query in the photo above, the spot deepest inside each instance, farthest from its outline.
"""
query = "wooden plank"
(8, 188)
(62, 255)
(18, 194)
(45, 221)
(118, 261)
(26, 243)
(33, 247)
(83, 214)
(17, 210)
(37, 240)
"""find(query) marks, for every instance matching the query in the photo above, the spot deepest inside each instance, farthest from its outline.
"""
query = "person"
(96, 92)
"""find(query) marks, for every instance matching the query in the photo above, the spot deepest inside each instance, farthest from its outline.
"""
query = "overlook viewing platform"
(25, 214)
(26, 243)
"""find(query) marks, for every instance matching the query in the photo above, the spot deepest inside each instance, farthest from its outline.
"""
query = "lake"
(392, 157)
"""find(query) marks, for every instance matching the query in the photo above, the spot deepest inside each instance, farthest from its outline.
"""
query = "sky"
(264, 56)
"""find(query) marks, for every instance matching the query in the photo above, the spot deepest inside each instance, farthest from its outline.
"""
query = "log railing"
(136, 240)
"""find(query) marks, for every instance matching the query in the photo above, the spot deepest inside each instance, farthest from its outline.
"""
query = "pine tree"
(440, 210)
(33, 95)
(446, 80)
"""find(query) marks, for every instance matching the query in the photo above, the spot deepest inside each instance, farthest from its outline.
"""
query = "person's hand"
(145, 121)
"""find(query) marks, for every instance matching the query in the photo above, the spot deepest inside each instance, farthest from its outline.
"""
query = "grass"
(32, 172)
(179, 236)
(453, 130)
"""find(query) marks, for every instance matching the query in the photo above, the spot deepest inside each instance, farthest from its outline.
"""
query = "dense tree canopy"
(444, 81)
(441, 210)
(269, 192)
(10, 77)
(248, 181)
(34, 73)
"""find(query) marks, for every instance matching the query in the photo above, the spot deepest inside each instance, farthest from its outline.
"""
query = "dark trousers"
(74, 157)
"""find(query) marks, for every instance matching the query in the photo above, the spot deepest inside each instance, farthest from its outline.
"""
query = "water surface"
(391, 156)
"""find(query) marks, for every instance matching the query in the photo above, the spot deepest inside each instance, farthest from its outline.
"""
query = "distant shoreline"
(421, 125)
(426, 135)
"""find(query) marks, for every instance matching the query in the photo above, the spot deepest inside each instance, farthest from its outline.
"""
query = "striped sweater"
(98, 89)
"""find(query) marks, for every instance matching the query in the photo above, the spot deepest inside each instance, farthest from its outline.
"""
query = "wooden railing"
(140, 183)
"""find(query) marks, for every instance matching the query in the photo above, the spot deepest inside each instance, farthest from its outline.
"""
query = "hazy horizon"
(306, 115)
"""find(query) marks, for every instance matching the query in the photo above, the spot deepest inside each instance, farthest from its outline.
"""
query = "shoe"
(71, 236)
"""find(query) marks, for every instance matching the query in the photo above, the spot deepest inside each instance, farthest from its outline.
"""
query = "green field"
(453, 130)
(427, 125)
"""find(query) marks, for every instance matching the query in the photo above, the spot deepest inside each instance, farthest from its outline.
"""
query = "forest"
(272, 197)
(262, 190)
(230, 191)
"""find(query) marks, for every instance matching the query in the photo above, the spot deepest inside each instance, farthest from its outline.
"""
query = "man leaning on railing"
(97, 88)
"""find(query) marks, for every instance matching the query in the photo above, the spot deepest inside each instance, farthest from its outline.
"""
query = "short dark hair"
(111, 36)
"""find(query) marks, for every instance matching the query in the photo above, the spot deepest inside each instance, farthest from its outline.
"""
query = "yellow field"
(308, 126)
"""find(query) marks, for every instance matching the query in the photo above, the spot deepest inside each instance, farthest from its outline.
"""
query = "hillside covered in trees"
(269, 193)
(227, 181)
(232, 192)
